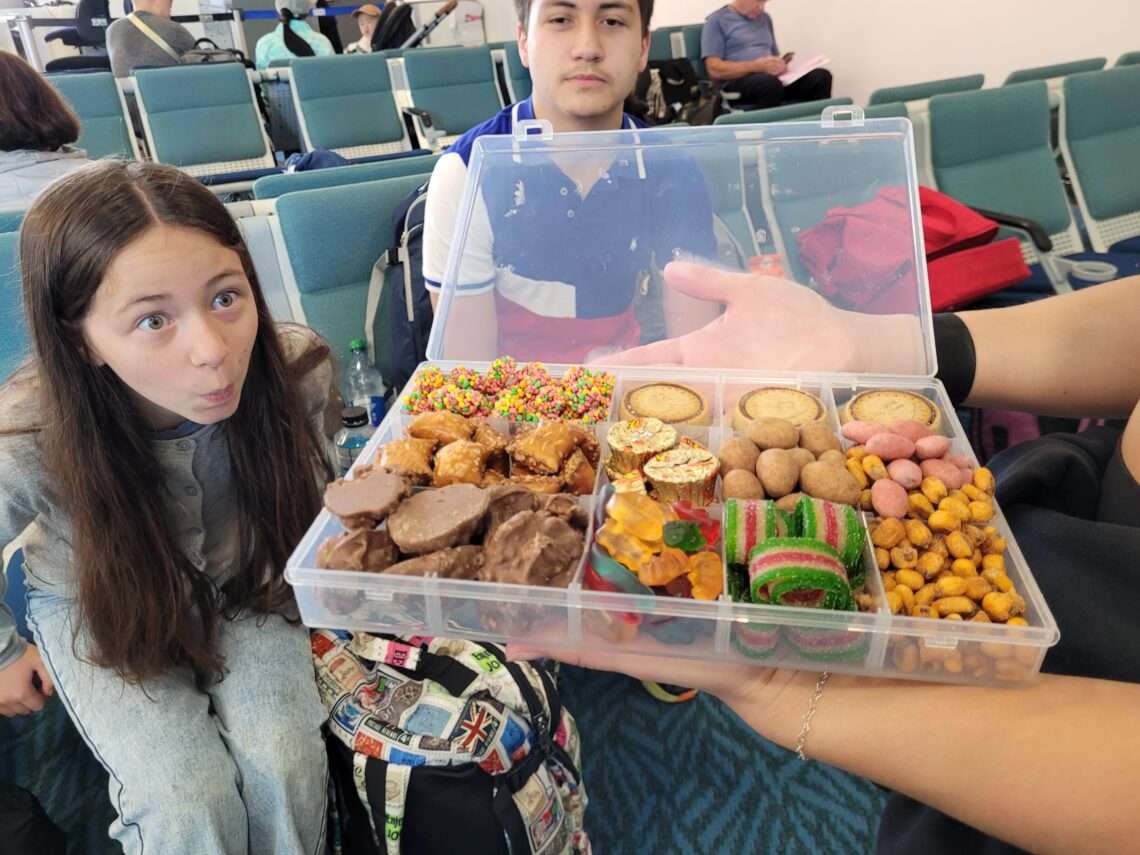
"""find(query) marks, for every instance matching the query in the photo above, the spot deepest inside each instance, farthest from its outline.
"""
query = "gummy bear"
(663, 569)
(639, 515)
(706, 575)
(684, 535)
(623, 547)
(710, 528)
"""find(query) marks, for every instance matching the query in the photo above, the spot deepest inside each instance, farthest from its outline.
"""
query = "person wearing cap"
(367, 16)
(293, 37)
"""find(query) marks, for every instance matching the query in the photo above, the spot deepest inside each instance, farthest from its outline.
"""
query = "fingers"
(719, 285)
(26, 704)
(47, 686)
(664, 352)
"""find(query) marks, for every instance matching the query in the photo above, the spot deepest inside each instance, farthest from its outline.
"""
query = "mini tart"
(891, 405)
(672, 403)
(634, 441)
(684, 474)
(777, 402)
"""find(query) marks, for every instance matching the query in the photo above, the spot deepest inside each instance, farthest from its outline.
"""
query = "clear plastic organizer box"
(765, 188)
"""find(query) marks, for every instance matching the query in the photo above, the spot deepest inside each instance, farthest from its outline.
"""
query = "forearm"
(724, 69)
(1048, 767)
(1073, 355)
(472, 331)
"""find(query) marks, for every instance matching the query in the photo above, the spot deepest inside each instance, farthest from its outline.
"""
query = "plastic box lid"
(562, 243)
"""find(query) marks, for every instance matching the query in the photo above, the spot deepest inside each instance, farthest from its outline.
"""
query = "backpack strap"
(544, 749)
(147, 31)
(387, 650)
(396, 779)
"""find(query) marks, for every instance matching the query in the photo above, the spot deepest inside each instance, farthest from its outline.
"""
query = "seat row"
(206, 120)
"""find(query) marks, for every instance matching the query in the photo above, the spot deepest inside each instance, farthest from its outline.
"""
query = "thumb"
(718, 285)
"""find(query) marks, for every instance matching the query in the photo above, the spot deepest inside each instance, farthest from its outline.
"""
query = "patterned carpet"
(693, 778)
(687, 778)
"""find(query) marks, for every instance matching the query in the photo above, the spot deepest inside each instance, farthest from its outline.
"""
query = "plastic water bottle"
(352, 437)
(363, 385)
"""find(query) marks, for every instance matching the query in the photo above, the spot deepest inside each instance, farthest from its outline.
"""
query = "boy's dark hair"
(644, 6)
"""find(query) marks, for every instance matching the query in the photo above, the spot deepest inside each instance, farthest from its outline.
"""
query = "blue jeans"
(237, 768)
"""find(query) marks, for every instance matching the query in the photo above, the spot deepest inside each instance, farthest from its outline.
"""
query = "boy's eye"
(613, 22)
(152, 323)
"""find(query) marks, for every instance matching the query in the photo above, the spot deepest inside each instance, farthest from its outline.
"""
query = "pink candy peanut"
(906, 472)
(890, 446)
(912, 430)
(932, 446)
(888, 498)
(860, 432)
(947, 473)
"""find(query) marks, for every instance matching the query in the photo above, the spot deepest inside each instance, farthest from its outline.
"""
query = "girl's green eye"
(152, 323)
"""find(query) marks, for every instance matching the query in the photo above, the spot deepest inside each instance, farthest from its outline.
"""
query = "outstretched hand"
(768, 322)
(770, 699)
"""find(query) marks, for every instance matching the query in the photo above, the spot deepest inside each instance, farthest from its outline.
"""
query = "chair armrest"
(1022, 224)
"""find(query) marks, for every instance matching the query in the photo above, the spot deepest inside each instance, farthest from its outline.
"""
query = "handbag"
(862, 257)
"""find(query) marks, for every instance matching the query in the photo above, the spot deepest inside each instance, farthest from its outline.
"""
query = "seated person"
(367, 16)
(146, 37)
(291, 38)
(561, 252)
(738, 45)
(37, 133)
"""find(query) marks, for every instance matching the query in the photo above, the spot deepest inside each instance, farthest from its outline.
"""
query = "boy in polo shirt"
(556, 255)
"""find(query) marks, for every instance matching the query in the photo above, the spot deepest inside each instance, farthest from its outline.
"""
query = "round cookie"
(672, 403)
(886, 406)
(779, 402)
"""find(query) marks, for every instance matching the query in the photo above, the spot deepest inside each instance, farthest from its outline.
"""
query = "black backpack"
(399, 306)
(672, 92)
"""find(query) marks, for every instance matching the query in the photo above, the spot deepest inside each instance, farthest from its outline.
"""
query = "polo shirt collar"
(524, 112)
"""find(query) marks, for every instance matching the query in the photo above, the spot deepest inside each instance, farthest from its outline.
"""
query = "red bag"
(861, 257)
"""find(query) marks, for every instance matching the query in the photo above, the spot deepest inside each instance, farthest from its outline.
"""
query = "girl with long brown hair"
(161, 448)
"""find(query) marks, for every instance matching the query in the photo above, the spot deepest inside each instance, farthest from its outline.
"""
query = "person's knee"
(762, 90)
(820, 81)
(197, 796)
(283, 751)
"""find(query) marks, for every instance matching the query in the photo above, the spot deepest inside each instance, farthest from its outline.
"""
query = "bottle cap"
(358, 344)
(354, 417)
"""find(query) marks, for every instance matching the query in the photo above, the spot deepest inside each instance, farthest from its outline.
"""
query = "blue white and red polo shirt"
(565, 269)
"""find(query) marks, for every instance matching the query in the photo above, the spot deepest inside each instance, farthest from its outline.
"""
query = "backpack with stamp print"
(441, 745)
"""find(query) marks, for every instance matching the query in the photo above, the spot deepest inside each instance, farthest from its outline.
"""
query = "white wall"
(875, 43)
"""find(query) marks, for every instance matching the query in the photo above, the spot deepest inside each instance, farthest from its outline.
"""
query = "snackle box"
(767, 199)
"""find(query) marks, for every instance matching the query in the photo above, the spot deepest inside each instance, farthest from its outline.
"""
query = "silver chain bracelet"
(805, 728)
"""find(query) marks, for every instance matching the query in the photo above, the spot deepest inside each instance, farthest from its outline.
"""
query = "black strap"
(957, 360)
